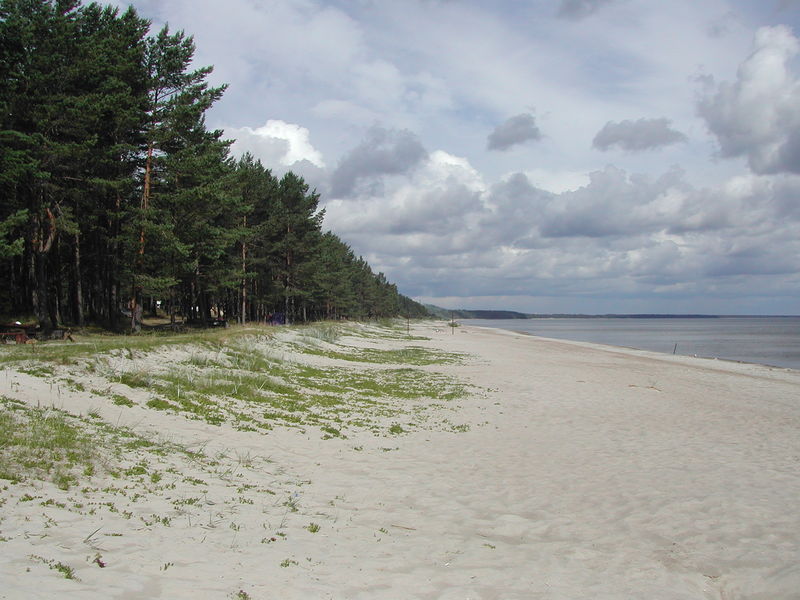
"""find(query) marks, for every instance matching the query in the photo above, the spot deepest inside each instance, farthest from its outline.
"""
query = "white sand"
(587, 472)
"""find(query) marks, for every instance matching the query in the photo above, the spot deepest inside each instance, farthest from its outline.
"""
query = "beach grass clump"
(66, 571)
(37, 370)
(324, 332)
(386, 329)
(412, 355)
(42, 443)
(128, 346)
(255, 391)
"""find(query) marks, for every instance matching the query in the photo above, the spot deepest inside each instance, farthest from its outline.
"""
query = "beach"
(564, 470)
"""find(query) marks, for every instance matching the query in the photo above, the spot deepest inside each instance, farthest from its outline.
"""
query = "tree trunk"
(42, 242)
(78, 314)
(243, 314)
(136, 292)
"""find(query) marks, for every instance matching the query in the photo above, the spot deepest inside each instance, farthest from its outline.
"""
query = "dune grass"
(69, 353)
(241, 376)
(42, 443)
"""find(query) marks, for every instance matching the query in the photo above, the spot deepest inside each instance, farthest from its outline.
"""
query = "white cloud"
(557, 181)
(276, 142)
(758, 115)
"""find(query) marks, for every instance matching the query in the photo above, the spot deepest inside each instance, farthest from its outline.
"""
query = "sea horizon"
(772, 340)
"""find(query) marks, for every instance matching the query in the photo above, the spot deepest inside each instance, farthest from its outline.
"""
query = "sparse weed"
(42, 443)
(65, 570)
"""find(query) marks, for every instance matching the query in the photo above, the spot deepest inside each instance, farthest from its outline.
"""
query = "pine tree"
(294, 233)
(175, 131)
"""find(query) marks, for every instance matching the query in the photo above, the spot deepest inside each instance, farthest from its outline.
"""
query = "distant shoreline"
(463, 313)
(656, 316)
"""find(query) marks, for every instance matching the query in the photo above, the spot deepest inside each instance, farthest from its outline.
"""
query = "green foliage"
(66, 571)
(42, 443)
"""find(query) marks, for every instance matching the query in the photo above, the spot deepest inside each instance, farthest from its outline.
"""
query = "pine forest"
(117, 201)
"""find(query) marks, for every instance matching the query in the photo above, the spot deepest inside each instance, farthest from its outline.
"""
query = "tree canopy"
(117, 199)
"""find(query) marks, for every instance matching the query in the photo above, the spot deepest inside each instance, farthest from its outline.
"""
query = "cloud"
(439, 230)
(276, 143)
(758, 115)
(516, 130)
(634, 136)
(382, 152)
(579, 9)
(426, 209)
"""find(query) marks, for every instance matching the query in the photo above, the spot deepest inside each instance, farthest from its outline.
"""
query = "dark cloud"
(517, 205)
(579, 9)
(383, 152)
(616, 204)
(788, 4)
(635, 136)
(758, 115)
(752, 260)
(516, 130)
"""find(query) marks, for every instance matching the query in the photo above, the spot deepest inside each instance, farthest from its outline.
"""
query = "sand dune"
(568, 471)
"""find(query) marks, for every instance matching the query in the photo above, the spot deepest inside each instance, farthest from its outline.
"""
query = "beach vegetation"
(414, 355)
(43, 444)
(66, 571)
(134, 479)
(246, 381)
(121, 400)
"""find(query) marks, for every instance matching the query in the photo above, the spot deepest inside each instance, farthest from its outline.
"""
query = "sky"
(544, 156)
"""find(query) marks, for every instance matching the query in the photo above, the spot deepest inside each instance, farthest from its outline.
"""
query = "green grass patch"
(121, 400)
(42, 444)
(38, 370)
(413, 355)
(68, 353)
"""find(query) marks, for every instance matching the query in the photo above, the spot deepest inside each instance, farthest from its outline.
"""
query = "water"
(771, 341)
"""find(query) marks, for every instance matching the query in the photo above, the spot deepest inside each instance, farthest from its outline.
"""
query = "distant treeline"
(446, 313)
(621, 316)
(117, 199)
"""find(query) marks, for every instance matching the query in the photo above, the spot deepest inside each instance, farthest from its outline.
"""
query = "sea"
(773, 341)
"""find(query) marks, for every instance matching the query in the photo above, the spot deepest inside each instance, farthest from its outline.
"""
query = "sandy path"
(586, 472)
